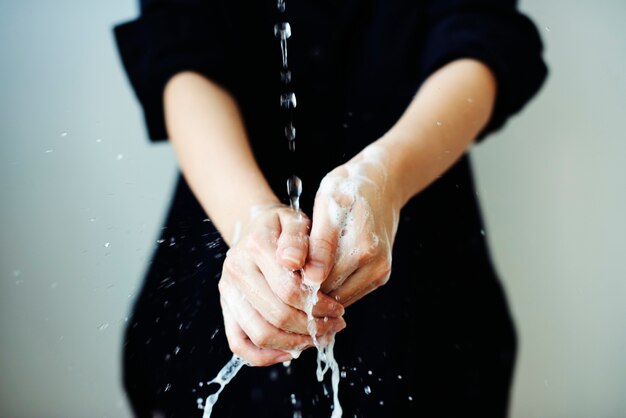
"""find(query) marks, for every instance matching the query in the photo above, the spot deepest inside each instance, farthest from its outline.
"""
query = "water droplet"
(285, 76)
(98, 140)
(16, 273)
(294, 190)
(107, 244)
(290, 132)
(482, 232)
(343, 374)
(48, 151)
(548, 29)
(282, 30)
(288, 100)
(439, 123)
(367, 390)
(63, 134)
(168, 387)
(410, 399)
(381, 403)
(399, 377)
(160, 241)
(120, 157)
(325, 319)
(176, 350)
(103, 326)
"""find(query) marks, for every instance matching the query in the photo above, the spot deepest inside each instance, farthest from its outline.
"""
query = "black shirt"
(442, 322)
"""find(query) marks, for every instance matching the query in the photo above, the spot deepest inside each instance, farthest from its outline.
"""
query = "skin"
(347, 246)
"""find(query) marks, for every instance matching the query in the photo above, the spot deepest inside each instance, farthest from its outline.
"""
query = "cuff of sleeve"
(155, 47)
(509, 46)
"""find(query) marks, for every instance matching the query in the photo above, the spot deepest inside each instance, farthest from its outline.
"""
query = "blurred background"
(84, 193)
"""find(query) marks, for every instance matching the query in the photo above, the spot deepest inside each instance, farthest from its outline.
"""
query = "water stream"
(325, 355)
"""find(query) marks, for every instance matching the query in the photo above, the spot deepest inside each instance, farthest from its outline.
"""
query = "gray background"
(83, 195)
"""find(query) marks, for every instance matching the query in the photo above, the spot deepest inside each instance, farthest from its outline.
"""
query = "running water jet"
(325, 355)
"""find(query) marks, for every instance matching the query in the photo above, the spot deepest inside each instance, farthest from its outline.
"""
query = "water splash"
(228, 372)
(325, 354)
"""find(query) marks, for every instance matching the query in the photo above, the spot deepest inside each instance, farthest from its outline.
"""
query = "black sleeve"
(168, 37)
(495, 33)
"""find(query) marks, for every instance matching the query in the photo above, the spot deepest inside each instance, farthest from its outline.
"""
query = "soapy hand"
(355, 219)
(261, 290)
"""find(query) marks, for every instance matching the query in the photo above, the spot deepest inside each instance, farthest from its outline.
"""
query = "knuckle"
(288, 294)
(231, 267)
(321, 245)
(261, 339)
(365, 253)
(282, 319)
(384, 272)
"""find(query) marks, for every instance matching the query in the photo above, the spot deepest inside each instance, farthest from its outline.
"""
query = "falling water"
(325, 355)
(223, 377)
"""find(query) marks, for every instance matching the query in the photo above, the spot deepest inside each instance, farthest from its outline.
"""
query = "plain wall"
(84, 193)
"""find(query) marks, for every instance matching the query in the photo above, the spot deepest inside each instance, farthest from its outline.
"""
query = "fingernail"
(292, 254)
(315, 273)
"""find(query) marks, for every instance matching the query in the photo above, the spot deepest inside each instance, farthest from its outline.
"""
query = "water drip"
(288, 100)
(294, 190)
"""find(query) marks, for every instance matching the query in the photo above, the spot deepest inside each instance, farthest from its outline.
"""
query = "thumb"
(322, 246)
(292, 245)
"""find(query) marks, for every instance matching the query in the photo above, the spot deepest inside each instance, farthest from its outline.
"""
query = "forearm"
(211, 145)
(449, 111)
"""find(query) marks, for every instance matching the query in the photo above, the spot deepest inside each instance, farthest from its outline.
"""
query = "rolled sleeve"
(167, 38)
(495, 33)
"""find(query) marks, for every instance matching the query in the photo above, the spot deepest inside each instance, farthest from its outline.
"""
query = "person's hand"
(355, 218)
(261, 290)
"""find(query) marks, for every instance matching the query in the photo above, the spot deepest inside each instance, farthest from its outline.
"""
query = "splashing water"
(325, 354)
(228, 372)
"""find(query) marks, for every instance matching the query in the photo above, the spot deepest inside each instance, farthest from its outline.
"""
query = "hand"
(261, 290)
(355, 218)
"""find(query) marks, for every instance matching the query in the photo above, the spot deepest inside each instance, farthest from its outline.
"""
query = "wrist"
(379, 164)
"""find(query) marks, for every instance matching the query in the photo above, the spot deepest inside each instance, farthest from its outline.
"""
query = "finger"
(241, 345)
(287, 286)
(293, 242)
(344, 267)
(258, 293)
(356, 247)
(323, 239)
(365, 280)
(260, 332)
